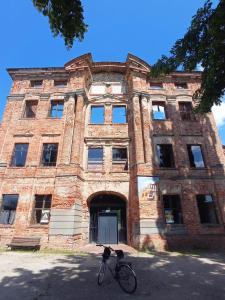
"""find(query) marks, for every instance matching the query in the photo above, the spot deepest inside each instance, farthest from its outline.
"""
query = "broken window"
(97, 114)
(206, 209)
(119, 154)
(36, 83)
(172, 209)
(186, 111)
(8, 209)
(30, 109)
(195, 156)
(60, 83)
(41, 211)
(49, 155)
(156, 85)
(181, 85)
(158, 111)
(165, 156)
(119, 114)
(56, 110)
(19, 155)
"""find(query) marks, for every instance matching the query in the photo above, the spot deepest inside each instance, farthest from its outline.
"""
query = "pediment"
(79, 62)
(137, 63)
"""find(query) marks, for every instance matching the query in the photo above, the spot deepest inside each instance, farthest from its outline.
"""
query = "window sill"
(6, 226)
(119, 162)
(54, 118)
(160, 89)
(39, 226)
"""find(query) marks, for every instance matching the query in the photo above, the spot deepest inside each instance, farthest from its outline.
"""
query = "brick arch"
(94, 195)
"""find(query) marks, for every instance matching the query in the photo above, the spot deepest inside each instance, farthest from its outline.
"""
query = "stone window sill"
(39, 226)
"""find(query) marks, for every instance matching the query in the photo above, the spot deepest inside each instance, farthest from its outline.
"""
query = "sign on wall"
(147, 188)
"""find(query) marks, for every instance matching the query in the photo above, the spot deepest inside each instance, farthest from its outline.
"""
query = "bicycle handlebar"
(100, 245)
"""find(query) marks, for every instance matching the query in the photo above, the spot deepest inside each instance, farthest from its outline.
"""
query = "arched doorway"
(108, 222)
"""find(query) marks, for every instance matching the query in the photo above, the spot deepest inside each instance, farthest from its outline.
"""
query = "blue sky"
(147, 28)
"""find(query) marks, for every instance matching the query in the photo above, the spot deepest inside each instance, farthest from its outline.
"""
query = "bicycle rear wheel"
(101, 273)
(127, 279)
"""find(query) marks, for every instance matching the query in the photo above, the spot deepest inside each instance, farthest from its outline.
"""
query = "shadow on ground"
(37, 276)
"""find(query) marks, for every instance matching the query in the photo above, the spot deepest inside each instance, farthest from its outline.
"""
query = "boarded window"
(195, 156)
(206, 209)
(8, 209)
(19, 155)
(165, 156)
(181, 85)
(30, 109)
(172, 209)
(41, 211)
(119, 114)
(97, 114)
(156, 85)
(49, 154)
(158, 111)
(56, 110)
(36, 83)
(186, 112)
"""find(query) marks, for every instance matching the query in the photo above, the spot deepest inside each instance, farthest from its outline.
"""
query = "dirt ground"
(40, 276)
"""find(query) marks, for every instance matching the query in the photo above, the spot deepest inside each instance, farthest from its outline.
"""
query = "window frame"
(172, 156)
(94, 107)
(58, 102)
(116, 161)
(116, 106)
(54, 164)
(13, 165)
(202, 154)
(179, 211)
(24, 116)
(213, 206)
(34, 209)
(189, 113)
(2, 210)
(159, 103)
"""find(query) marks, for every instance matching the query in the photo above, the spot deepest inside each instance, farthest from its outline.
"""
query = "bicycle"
(122, 272)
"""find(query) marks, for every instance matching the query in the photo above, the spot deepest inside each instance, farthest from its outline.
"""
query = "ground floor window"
(206, 209)
(8, 209)
(172, 209)
(41, 211)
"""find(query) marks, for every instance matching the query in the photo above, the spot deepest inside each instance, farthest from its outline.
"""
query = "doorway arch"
(108, 218)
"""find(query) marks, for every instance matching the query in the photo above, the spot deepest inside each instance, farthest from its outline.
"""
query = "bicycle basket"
(119, 254)
(106, 253)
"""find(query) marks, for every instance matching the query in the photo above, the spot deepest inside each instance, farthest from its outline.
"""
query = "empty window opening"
(156, 85)
(158, 111)
(172, 209)
(186, 111)
(195, 156)
(8, 209)
(206, 209)
(49, 155)
(56, 110)
(97, 114)
(41, 211)
(165, 156)
(19, 155)
(30, 109)
(119, 114)
(181, 85)
(36, 83)
(119, 154)
(60, 83)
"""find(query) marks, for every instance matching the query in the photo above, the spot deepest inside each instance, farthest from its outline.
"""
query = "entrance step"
(92, 248)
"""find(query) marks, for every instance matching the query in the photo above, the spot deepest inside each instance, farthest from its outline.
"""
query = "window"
(36, 83)
(195, 156)
(158, 111)
(172, 209)
(56, 110)
(41, 211)
(95, 156)
(97, 115)
(30, 109)
(19, 155)
(206, 209)
(119, 115)
(156, 85)
(186, 112)
(60, 83)
(181, 85)
(49, 155)
(8, 209)
(165, 156)
(119, 154)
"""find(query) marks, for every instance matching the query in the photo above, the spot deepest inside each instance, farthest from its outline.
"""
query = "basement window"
(30, 109)
(8, 209)
(172, 209)
(19, 155)
(195, 156)
(49, 155)
(97, 114)
(41, 211)
(119, 114)
(36, 83)
(56, 110)
(206, 209)
(158, 111)
(165, 156)
(186, 111)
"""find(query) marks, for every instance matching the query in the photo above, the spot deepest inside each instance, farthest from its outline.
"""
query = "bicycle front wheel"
(101, 273)
(127, 279)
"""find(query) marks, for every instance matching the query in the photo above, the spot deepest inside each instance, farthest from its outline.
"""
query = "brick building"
(100, 152)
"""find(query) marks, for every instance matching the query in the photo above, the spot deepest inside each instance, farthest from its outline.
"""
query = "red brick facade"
(76, 182)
